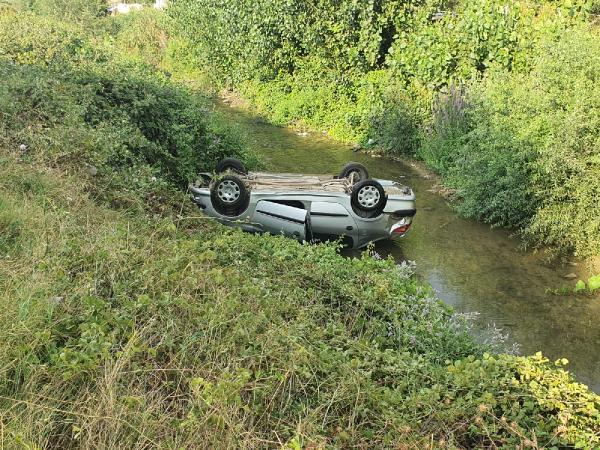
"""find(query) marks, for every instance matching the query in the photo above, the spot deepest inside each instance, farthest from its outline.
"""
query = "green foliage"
(245, 40)
(580, 286)
(14, 5)
(26, 38)
(142, 36)
(566, 114)
(594, 283)
(106, 112)
(525, 153)
(81, 11)
(313, 65)
(339, 103)
(521, 401)
(458, 44)
(168, 332)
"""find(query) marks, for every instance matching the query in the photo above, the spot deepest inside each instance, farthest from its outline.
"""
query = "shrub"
(339, 103)
(525, 156)
(143, 35)
(566, 110)
(449, 123)
(82, 11)
(107, 112)
(26, 38)
(112, 121)
(245, 40)
(395, 123)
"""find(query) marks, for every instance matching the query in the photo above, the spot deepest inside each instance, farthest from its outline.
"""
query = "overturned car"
(349, 206)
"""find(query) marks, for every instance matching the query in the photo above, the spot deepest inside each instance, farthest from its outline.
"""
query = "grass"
(128, 330)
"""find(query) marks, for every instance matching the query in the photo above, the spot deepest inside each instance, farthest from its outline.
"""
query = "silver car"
(349, 207)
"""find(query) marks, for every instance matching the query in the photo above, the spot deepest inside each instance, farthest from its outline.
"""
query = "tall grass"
(133, 331)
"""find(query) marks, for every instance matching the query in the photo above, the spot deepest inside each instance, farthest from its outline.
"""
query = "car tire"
(368, 198)
(359, 171)
(231, 165)
(229, 195)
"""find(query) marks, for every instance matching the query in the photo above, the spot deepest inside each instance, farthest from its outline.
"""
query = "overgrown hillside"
(500, 97)
(127, 331)
(129, 320)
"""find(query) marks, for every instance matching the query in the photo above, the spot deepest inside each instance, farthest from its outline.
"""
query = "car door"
(277, 218)
(330, 221)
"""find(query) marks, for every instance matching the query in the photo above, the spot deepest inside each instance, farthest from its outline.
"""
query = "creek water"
(472, 267)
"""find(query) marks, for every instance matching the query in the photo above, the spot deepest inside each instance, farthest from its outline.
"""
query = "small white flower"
(22, 147)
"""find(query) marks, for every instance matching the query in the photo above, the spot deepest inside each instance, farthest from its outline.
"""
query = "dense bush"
(73, 10)
(104, 112)
(326, 53)
(525, 152)
(124, 331)
(143, 36)
(26, 38)
(246, 40)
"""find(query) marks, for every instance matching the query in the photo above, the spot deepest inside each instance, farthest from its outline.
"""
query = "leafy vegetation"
(525, 152)
(593, 284)
(391, 71)
(69, 99)
(130, 331)
(128, 321)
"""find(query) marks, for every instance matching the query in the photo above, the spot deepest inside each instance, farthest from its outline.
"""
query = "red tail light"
(400, 229)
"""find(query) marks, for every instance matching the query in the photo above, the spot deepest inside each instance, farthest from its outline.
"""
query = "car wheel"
(231, 165)
(229, 195)
(368, 196)
(355, 171)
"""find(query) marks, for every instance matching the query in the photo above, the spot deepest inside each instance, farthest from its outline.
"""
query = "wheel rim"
(368, 197)
(228, 191)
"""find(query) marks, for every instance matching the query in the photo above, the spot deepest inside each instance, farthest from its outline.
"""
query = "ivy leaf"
(580, 286)
(594, 283)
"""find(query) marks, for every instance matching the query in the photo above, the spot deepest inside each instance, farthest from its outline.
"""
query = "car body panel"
(326, 217)
(279, 218)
